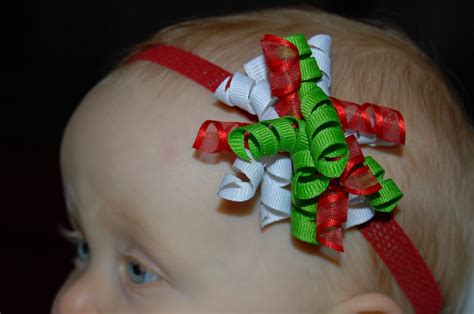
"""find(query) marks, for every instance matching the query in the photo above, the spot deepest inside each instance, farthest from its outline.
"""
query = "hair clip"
(307, 140)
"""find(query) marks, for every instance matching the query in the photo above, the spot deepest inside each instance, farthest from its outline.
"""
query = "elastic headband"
(386, 125)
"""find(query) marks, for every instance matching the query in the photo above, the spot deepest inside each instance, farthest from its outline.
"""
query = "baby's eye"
(77, 239)
(82, 251)
(138, 274)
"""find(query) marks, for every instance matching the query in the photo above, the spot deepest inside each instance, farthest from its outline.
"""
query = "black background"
(55, 51)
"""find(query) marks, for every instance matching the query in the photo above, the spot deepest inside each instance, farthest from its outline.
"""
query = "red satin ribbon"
(284, 74)
(333, 203)
(357, 178)
(415, 278)
(212, 136)
(331, 214)
(386, 123)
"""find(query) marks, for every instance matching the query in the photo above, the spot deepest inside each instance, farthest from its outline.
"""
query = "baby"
(151, 234)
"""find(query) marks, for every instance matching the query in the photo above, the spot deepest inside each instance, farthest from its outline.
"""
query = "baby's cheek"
(244, 269)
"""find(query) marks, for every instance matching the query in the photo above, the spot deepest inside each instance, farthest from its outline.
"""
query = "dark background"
(55, 51)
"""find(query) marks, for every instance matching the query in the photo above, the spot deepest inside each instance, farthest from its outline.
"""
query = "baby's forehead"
(131, 139)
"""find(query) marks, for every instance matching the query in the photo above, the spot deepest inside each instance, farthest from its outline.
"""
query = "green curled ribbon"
(265, 138)
(303, 225)
(284, 135)
(287, 134)
(327, 142)
(389, 195)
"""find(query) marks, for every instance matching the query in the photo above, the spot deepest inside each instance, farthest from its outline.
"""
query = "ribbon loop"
(386, 124)
(324, 131)
(332, 213)
(357, 178)
(368, 123)
(212, 136)
(284, 73)
(387, 198)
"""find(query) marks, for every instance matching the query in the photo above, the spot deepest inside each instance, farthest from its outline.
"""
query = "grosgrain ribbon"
(317, 146)
(387, 198)
(321, 152)
(327, 142)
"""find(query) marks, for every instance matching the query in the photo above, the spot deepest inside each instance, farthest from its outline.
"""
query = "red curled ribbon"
(332, 213)
(386, 123)
(333, 203)
(284, 74)
(357, 178)
(212, 136)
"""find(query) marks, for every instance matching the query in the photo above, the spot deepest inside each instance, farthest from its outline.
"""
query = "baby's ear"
(368, 303)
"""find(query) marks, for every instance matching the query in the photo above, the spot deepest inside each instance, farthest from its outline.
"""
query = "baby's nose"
(79, 295)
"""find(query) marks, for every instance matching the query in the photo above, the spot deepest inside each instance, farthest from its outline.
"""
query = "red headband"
(383, 232)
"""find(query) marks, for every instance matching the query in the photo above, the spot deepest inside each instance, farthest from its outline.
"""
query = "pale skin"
(159, 238)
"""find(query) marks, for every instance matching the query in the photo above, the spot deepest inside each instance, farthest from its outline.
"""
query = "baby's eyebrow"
(138, 229)
(155, 243)
(137, 225)
(72, 213)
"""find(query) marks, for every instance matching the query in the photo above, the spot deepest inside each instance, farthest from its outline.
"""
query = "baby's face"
(153, 235)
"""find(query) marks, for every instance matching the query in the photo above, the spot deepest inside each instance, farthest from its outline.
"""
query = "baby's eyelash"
(71, 235)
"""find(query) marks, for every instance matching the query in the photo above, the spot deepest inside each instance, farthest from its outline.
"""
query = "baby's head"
(159, 239)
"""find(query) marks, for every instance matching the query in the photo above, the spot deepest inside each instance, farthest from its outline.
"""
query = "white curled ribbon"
(360, 211)
(368, 139)
(320, 46)
(252, 93)
(235, 189)
(275, 202)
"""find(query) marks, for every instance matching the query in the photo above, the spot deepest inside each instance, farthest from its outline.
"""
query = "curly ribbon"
(264, 138)
(288, 134)
(385, 199)
(235, 189)
(385, 124)
(387, 238)
(321, 50)
(283, 73)
(331, 214)
(317, 147)
(332, 205)
(306, 185)
(212, 136)
(253, 93)
(320, 155)
(275, 201)
(327, 142)
(360, 211)
(250, 93)
(357, 178)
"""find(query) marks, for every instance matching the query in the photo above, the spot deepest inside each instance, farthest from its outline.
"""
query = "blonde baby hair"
(434, 169)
